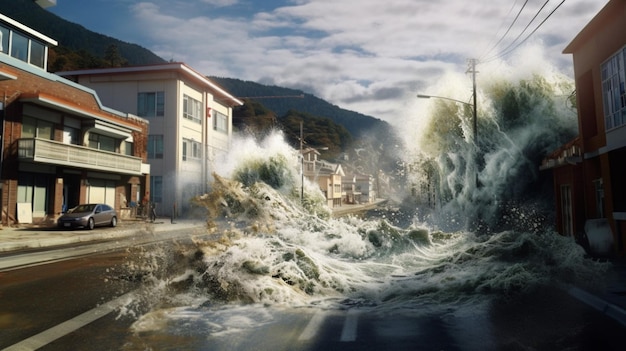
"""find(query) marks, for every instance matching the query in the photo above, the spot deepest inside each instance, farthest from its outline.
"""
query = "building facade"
(589, 172)
(328, 176)
(190, 124)
(60, 145)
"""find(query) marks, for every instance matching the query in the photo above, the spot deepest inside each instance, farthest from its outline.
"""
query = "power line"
(509, 29)
(505, 53)
(301, 96)
(528, 25)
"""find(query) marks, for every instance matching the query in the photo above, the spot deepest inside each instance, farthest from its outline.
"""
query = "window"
(33, 189)
(101, 142)
(36, 128)
(192, 109)
(4, 39)
(151, 104)
(19, 46)
(155, 146)
(221, 122)
(599, 190)
(70, 135)
(129, 148)
(192, 150)
(37, 54)
(614, 90)
(22, 47)
(156, 189)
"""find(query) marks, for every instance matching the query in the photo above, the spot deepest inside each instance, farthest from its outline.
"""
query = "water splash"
(274, 251)
(276, 248)
(481, 185)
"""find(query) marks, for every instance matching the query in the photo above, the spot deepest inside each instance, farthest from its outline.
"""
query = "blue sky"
(369, 56)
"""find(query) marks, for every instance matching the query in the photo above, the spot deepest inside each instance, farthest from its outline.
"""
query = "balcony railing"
(54, 152)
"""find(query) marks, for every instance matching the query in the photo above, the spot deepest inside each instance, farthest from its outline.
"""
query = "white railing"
(54, 152)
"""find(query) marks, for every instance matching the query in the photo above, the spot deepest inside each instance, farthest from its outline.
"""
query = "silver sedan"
(88, 216)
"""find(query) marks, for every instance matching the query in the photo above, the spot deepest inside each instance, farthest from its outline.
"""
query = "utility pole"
(301, 164)
(472, 69)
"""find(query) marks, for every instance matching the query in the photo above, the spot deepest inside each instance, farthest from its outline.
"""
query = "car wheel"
(113, 221)
(90, 224)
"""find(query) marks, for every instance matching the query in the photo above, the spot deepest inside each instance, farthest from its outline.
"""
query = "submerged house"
(589, 171)
(61, 145)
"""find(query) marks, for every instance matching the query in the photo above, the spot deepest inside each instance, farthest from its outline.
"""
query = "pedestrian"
(153, 212)
(145, 204)
(172, 220)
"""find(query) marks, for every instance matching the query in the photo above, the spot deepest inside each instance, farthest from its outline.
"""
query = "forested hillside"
(342, 131)
(281, 100)
(78, 46)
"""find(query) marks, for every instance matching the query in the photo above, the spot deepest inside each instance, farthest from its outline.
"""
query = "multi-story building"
(589, 172)
(327, 175)
(358, 188)
(190, 124)
(60, 145)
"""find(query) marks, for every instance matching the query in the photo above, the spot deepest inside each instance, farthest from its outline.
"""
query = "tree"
(113, 58)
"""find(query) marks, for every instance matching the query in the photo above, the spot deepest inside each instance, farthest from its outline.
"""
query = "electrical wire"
(509, 29)
(528, 25)
(507, 52)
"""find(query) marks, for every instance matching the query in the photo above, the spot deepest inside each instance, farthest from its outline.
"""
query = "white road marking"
(47, 336)
(348, 333)
(314, 325)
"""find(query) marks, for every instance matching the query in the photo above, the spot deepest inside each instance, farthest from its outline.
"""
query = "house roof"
(597, 22)
(35, 34)
(221, 94)
(102, 120)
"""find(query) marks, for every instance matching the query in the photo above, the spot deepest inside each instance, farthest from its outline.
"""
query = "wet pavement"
(611, 301)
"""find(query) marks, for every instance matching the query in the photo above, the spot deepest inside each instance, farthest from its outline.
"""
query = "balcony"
(54, 152)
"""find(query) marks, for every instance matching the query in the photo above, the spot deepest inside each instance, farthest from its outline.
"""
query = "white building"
(190, 123)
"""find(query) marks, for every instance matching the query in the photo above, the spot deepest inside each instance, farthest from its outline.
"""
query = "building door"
(71, 191)
(566, 210)
(101, 191)
(33, 189)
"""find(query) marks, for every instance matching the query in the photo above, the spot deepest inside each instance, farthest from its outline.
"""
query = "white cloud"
(366, 55)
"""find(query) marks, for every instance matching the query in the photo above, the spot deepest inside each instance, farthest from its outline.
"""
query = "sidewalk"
(346, 209)
(29, 237)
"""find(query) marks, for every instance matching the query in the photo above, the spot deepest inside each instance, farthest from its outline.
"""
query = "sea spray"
(471, 184)
(273, 253)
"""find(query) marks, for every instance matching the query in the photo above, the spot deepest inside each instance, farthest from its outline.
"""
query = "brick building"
(589, 172)
(60, 145)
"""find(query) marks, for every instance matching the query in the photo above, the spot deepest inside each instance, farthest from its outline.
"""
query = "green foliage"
(78, 46)
(274, 172)
(282, 100)
(254, 119)
(318, 132)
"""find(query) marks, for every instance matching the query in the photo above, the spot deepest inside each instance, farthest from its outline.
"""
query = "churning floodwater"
(485, 235)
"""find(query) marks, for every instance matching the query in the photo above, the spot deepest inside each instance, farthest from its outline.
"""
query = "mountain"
(75, 41)
(345, 133)
(281, 100)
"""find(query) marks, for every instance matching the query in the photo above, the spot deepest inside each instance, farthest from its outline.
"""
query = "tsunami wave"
(488, 235)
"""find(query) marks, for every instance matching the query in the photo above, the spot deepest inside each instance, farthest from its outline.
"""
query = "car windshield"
(84, 208)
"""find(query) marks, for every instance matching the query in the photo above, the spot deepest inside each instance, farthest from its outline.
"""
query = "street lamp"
(473, 106)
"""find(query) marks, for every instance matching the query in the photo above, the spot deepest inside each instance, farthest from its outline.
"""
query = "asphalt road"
(81, 302)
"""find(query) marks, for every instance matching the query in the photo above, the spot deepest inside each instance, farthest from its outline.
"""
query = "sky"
(368, 56)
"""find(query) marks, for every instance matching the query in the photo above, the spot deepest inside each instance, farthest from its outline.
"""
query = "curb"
(606, 308)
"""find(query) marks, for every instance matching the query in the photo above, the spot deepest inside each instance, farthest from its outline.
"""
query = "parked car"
(88, 216)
